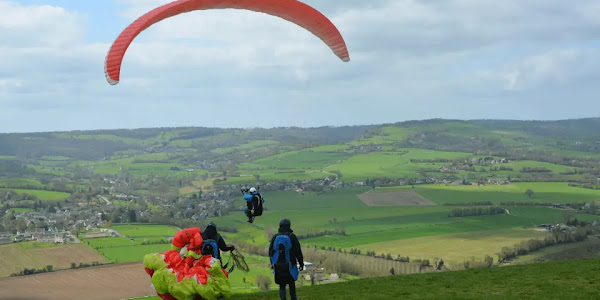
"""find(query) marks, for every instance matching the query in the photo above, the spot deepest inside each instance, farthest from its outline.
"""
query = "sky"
(411, 60)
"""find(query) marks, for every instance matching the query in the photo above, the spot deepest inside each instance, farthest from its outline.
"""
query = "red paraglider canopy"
(291, 10)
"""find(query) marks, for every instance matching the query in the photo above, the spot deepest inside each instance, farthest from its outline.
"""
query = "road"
(104, 198)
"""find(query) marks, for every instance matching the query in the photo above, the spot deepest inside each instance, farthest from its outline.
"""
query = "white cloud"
(35, 26)
(410, 60)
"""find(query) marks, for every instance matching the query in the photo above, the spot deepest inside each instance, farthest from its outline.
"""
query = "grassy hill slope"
(557, 280)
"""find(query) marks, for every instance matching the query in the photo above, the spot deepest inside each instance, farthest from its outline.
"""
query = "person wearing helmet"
(211, 236)
(286, 255)
(254, 202)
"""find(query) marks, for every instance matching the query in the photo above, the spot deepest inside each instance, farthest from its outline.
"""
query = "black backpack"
(258, 208)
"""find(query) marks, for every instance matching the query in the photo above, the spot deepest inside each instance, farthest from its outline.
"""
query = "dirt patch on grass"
(394, 198)
(60, 257)
(121, 281)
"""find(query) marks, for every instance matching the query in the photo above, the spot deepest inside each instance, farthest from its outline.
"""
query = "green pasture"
(551, 192)
(312, 212)
(273, 174)
(410, 227)
(388, 135)
(329, 148)
(110, 242)
(343, 198)
(394, 165)
(248, 147)
(132, 253)
(122, 249)
(43, 195)
(518, 165)
(21, 209)
(51, 170)
(19, 182)
(298, 160)
(144, 230)
(55, 158)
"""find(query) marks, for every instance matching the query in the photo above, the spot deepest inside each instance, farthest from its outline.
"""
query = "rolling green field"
(44, 195)
(456, 248)
(20, 182)
(249, 147)
(144, 230)
(123, 249)
(394, 164)
(21, 209)
(416, 231)
(386, 229)
(543, 192)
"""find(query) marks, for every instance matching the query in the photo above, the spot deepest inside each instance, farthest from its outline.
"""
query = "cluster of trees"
(358, 265)
(574, 205)
(487, 262)
(535, 170)
(26, 271)
(501, 168)
(591, 186)
(13, 168)
(557, 237)
(156, 242)
(84, 265)
(430, 161)
(337, 231)
(263, 282)
(588, 208)
(249, 248)
(469, 212)
(354, 251)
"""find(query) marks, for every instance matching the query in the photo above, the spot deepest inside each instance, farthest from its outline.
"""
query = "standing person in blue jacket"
(286, 254)
(254, 202)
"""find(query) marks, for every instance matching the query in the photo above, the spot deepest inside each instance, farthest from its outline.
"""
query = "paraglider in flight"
(290, 10)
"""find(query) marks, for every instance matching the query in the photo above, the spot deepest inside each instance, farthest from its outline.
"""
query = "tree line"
(476, 211)
(336, 231)
(556, 238)
(478, 203)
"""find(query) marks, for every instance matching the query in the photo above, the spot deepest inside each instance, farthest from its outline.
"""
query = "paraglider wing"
(290, 10)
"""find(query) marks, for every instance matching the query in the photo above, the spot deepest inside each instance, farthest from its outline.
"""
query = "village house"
(6, 237)
(498, 181)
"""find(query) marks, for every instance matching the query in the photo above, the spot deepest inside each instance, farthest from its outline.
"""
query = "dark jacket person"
(285, 245)
(210, 233)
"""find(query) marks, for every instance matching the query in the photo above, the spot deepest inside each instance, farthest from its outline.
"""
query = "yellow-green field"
(456, 248)
(16, 257)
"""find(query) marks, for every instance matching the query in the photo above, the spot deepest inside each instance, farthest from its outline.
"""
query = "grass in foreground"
(575, 279)
(557, 280)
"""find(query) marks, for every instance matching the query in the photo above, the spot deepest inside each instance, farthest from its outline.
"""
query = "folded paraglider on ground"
(184, 273)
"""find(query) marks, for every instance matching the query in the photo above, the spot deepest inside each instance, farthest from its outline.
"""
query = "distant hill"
(100, 143)
(571, 147)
